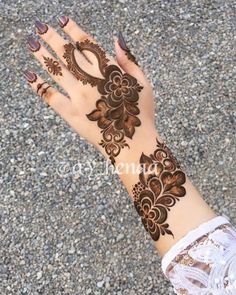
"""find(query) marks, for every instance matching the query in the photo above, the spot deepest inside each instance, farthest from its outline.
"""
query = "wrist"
(128, 163)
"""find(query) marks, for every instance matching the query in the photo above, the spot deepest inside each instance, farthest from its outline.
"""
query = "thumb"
(126, 60)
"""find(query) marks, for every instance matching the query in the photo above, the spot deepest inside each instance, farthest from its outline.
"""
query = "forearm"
(178, 209)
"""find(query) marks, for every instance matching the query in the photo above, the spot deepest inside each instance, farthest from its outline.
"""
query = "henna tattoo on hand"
(40, 85)
(160, 186)
(117, 109)
(53, 66)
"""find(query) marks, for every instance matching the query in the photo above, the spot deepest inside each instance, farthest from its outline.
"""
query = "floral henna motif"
(160, 186)
(117, 109)
(53, 66)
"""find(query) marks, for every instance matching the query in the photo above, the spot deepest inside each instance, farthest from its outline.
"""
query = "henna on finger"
(160, 186)
(53, 66)
(43, 87)
(45, 90)
(123, 45)
(117, 109)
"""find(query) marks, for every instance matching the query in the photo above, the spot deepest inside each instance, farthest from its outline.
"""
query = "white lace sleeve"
(204, 261)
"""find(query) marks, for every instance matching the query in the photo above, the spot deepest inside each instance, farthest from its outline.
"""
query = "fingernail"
(34, 45)
(63, 20)
(121, 42)
(41, 27)
(30, 76)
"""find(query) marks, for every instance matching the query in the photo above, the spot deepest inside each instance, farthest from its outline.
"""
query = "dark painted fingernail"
(34, 45)
(30, 76)
(122, 42)
(41, 27)
(63, 20)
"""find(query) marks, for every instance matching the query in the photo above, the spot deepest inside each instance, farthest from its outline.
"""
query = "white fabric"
(204, 261)
(192, 236)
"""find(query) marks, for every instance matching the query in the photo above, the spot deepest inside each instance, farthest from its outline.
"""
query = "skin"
(81, 100)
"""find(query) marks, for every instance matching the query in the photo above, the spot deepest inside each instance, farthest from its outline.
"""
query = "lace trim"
(189, 238)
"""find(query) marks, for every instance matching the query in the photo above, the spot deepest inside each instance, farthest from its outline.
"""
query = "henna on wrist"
(160, 186)
(117, 109)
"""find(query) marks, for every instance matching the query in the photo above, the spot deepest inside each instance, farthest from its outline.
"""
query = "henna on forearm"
(160, 186)
(117, 109)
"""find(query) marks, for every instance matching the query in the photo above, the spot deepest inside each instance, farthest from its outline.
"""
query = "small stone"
(100, 284)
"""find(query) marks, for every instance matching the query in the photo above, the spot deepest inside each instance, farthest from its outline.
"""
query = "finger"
(55, 68)
(78, 36)
(60, 103)
(126, 60)
(74, 59)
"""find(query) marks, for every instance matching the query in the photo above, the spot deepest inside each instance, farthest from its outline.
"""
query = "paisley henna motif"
(117, 109)
(72, 65)
(160, 187)
(53, 66)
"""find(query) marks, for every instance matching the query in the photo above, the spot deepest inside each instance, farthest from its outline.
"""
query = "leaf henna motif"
(117, 109)
(160, 186)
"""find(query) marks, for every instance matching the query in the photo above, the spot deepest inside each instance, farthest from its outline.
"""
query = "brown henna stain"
(39, 86)
(53, 66)
(160, 186)
(117, 109)
(45, 90)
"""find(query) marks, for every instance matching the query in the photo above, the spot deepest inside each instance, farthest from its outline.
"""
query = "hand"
(110, 102)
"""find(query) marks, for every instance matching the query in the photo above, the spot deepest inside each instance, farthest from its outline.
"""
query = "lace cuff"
(204, 261)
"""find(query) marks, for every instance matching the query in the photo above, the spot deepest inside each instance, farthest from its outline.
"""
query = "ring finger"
(55, 68)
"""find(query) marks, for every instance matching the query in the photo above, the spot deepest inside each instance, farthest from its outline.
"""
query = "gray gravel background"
(65, 234)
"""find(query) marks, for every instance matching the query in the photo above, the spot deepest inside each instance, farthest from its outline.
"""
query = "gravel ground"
(62, 233)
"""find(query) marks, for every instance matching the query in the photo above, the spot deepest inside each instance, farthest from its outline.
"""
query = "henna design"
(117, 109)
(160, 186)
(39, 86)
(131, 57)
(72, 65)
(45, 90)
(41, 27)
(53, 66)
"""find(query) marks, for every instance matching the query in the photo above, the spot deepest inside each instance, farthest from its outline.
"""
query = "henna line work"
(45, 90)
(53, 66)
(117, 109)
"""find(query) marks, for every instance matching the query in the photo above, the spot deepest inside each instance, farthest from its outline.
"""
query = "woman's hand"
(109, 103)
